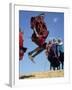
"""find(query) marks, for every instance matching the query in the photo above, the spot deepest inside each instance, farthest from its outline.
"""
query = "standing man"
(22, 49)
(61, 52)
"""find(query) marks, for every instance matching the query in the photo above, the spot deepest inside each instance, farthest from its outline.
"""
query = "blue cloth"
(60, 48)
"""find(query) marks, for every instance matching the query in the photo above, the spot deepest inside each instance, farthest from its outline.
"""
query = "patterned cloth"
(38, 24)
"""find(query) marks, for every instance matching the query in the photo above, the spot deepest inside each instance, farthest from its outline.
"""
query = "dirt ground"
(49, 74)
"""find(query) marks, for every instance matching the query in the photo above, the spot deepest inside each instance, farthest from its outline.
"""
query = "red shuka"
(21, 39)
(21, 52)
(41, 29)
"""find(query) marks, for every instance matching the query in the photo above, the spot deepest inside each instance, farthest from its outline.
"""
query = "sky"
(55, 24)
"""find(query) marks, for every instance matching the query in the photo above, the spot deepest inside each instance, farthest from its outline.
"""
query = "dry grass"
(49, 74)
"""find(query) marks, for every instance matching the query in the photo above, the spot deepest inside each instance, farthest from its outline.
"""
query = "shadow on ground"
(27, 76)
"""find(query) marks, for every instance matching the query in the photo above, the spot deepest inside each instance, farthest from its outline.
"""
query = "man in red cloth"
(39, 35)
(22, 49)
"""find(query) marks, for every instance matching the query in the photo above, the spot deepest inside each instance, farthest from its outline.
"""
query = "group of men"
(55, 53)
(56, 45)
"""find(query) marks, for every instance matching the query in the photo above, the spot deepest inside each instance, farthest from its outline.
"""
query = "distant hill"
(49, 74)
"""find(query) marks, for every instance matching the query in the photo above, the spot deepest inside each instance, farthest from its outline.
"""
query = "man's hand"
(39, 36)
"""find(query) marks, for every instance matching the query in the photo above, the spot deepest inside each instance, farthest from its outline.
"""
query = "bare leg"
(59, 67)
(54, 68)
(50, 66)
(35, 50)
(32, 55)
(62, 65)
(39, 51)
